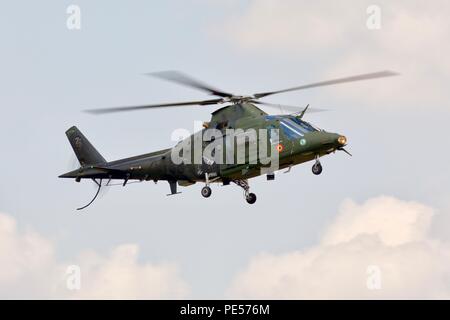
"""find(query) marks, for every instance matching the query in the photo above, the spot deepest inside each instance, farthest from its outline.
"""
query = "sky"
(371, 226)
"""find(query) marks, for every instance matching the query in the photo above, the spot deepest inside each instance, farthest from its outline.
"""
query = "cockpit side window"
(293, 127)
(305, 125)
(290, 130)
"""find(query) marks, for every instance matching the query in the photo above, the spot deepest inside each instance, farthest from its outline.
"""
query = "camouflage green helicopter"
(292, 139)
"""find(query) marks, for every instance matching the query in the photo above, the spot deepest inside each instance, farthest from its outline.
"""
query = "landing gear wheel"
(206, 192)
(317, 168)
(251, 198)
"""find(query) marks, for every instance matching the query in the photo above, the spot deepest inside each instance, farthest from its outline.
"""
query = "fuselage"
(297, 141)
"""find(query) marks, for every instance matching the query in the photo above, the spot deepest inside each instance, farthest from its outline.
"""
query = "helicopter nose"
(342, 140)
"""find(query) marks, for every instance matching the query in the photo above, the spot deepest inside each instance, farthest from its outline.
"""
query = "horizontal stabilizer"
(93, 172)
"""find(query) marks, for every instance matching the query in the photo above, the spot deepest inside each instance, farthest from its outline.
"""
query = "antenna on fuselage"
(303, 112)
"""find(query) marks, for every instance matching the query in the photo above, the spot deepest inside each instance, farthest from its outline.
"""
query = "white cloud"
(121, 276)
(413, 40)
(386, 232)
(27, 262)
(29, 269)
(395, 222)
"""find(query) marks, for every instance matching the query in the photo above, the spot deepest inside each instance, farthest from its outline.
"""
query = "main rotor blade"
(150, 106)
(361, 77)
(288, 108)
(181, 78)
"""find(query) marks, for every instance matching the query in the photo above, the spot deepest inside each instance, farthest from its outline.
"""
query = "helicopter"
(290, 139)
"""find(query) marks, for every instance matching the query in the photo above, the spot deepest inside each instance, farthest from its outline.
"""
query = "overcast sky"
(307, 236)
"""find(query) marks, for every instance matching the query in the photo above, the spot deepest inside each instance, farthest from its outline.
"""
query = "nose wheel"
(317, 167)
(250, 198)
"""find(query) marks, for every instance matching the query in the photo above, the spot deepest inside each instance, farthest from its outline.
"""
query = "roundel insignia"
(280, 147)
(302, 142)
